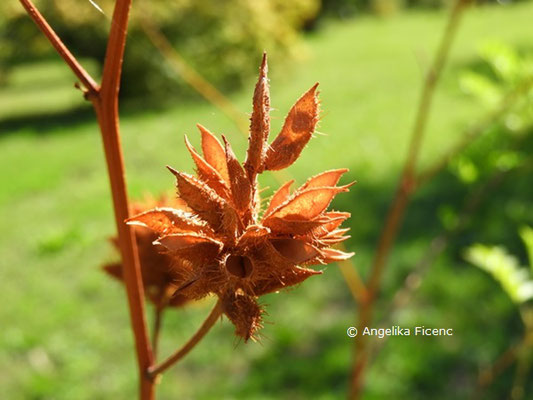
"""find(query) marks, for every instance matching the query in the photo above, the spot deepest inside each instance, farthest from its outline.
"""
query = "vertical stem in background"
(158, 320)
(106, 106)
(128, 247)
(405, 188)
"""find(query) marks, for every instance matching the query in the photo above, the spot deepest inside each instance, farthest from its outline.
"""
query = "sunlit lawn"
(64, 328)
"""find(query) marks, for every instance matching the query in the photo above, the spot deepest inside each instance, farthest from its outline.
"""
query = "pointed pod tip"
(264, 64)
(202, 128)
(133, 222)
(227, 146)
(173, 171)
(313, 89)
(349, 185)
(204, 131)
(189, 147)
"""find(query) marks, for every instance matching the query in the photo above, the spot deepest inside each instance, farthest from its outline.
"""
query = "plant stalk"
(213, 316)
(401, 199)
(105, 103)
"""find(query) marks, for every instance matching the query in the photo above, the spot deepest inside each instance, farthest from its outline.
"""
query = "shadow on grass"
(46, 123)
(42, 123)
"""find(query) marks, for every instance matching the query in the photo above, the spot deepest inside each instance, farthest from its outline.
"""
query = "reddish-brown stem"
(504, 361)
(401, 198)
(213, 316)
(353, 279)
(436, 248)
(128, 247)
(106, 106)
(405, 188)
(520, 351)
(90, 85)
(105, 102)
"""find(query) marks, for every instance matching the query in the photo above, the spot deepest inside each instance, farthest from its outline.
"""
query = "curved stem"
(353, 279)
(215, 313)
(86, 79)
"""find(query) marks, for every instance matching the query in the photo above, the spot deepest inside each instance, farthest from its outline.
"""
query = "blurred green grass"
(65, 331)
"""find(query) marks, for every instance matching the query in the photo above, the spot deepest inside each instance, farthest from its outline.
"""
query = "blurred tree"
(220, 39)
(349, 8)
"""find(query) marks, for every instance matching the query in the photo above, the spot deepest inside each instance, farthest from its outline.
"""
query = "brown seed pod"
(221, 244)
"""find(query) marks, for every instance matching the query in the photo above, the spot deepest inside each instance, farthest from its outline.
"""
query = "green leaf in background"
(503, 59)
(480, 87)
(505, 69)
(506, 160)
(504, 268)
(526, 233)
(465, 169)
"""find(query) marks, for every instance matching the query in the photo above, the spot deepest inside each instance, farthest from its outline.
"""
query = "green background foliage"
(218, 38)
(65, 329)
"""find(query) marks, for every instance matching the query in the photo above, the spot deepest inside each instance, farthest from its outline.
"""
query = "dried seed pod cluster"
(217, 235)
(158, 268)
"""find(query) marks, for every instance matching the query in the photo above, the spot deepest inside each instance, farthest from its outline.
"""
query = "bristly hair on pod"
(221, 242)
(161, 273)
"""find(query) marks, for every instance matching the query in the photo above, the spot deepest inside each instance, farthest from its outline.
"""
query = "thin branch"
(406, 181)
(116, 44)
(402, 195)
(353, 280)
(522, 369)
(504, 361)
(90, 85)
(105, 102)
(436, 248)
(158, 320)
(213, 316)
